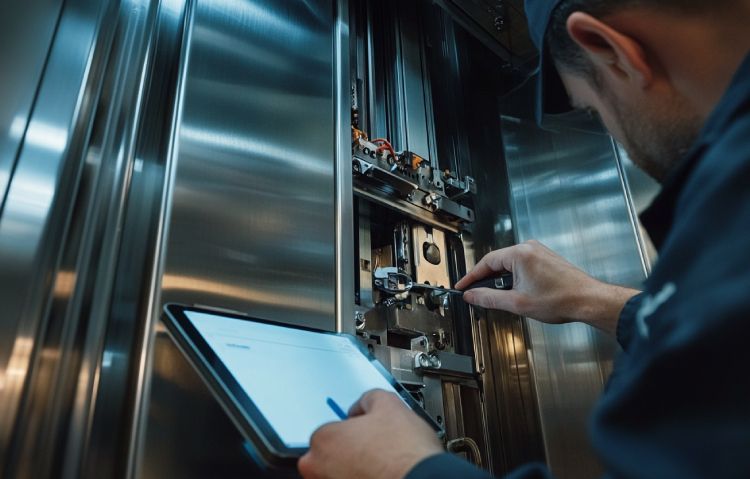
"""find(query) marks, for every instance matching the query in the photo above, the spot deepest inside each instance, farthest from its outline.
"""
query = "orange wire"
(386, 146)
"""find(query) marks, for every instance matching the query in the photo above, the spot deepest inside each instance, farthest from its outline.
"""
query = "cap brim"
(551, 95)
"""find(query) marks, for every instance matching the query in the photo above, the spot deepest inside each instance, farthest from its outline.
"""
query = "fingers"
(309, 465)
(306, 466)
(371, 400)
(494, 299)
(480, 271)
(497, 261)
(322, 432)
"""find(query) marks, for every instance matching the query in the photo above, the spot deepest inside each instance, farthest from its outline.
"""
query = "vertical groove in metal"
(144, 361)
(343, 174)
(632, 213)
(7, 177)
(36, 242)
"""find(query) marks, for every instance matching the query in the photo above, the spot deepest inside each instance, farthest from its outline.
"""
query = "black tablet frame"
(232, 397)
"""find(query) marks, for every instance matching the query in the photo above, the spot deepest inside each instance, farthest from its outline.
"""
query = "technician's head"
(626, 60)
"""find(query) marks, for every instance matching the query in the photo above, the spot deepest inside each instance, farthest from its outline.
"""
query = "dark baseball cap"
(551, 96)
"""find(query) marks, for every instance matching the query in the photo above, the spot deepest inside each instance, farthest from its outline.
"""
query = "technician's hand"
(546, 287)
(381, 439)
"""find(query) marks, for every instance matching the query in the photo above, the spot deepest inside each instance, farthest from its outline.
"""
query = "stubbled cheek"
(613, 127)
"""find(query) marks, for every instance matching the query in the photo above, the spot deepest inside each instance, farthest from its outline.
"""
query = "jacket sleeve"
(449, 466)
(680, 403)
(626, 325)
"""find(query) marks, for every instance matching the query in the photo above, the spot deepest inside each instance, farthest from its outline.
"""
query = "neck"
(700, 53)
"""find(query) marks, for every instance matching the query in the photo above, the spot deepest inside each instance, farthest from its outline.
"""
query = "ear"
(616, 52)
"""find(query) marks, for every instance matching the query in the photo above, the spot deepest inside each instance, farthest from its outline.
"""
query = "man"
(671, 81)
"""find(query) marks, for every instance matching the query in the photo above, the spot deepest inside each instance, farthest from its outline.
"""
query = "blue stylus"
(336, 408)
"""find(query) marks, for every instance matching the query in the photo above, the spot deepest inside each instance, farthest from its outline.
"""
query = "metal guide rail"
(406, 176)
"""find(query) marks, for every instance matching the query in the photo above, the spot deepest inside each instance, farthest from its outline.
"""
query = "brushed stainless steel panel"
(253, 220)
(38, 206)
(258, 204)
(344, 189)
(75, 237)
(567, 191)
(642, 189)
(189, 435)
(26, 32)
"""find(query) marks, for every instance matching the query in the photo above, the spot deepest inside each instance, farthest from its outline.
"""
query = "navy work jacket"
(678, 402)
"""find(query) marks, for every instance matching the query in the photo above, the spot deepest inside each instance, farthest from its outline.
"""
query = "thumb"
(493, 299)
(371, 400)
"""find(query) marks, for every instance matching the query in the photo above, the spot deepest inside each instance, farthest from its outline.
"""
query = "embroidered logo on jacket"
(650, 305)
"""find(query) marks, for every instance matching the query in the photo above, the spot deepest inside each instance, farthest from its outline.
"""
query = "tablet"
(279, 383)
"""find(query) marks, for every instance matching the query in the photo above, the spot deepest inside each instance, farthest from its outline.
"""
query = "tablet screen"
(299, 380)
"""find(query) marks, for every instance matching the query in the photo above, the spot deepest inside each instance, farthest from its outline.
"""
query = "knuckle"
(374, 397)
(315, 440)
(484, 263)
(520, 303)
(319, 437)
(384, 398)
(525, 252)
(306, 466)
(491, 302)
(379, 394)
(488, 301)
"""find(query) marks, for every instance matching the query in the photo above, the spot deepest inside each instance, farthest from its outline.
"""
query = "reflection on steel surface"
(35, 207)
(26, 32)
(172, 284)
(567, 193)
(252, 224)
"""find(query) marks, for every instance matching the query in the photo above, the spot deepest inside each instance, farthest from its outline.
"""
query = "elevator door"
(252, 220)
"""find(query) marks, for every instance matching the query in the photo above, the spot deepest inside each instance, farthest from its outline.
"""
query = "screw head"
(434, 361)
(424, 360)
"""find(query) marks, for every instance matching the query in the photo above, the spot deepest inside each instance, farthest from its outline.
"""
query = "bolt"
(430, 199)
(434, 361)
(422, 360)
